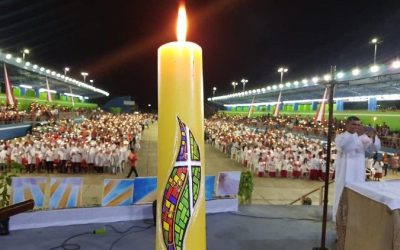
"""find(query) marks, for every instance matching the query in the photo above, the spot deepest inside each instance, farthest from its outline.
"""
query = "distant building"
(123, 103)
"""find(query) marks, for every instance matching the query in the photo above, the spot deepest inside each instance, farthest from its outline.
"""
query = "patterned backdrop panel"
(65, 192)
(209, 184)
(145, 190)
(117, 192)
(228, 183)
(25, 188)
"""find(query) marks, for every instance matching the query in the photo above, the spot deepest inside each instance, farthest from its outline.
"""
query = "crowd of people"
(264, 148)
(272, 146)
(10, 114)
(275, 146)
(100, 145)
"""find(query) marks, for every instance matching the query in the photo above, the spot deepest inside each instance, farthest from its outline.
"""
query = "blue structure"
(372, 103)
(11, 131)
(339, 105)
(296, 106)
(125, 103)
(314, 106)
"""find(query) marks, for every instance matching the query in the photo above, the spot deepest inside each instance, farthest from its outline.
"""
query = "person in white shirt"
(75, 158)
(234, 149)
(99, 160)
(49, 160)
(369, 170)
(248, 159)
(378, 167)
(114, 160)
(91, 156)
(63, 153)
(255, 157)
(16, 153)
(107, 160)
(123, 156)
(284, 167)
(39, 160)
(350, 159)
(314, 167)
(30, 156)
(3, 158)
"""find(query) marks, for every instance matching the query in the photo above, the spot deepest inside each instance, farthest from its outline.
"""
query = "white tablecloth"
(385, 192)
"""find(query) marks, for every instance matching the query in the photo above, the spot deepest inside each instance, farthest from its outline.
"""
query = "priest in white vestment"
(350, 159)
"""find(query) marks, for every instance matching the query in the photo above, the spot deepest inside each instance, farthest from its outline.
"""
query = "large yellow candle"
(181, 174)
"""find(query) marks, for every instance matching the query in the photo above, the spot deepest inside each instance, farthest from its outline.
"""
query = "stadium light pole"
(25, 52)
(91, 81)
(84, 74)
(66, 69)
(282, 70)
(244, 81)
(214, 89)
(375, 41)
(234, 84)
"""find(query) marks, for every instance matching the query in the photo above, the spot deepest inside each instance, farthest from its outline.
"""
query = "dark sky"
(116, 41)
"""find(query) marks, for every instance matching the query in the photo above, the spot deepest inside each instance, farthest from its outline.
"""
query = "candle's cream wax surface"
(180, 94)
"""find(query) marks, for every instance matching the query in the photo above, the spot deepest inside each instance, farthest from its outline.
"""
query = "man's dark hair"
(352, 118)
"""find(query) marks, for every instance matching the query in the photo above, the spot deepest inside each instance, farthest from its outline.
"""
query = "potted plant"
(6, 176)
(246, 187)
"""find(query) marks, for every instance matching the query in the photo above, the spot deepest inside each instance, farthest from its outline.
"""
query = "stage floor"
(253, 227)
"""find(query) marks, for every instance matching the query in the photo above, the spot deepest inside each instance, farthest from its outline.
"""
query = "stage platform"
(78, 216)
(252, 227)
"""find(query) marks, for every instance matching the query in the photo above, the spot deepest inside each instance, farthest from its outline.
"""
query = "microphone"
(101, 231)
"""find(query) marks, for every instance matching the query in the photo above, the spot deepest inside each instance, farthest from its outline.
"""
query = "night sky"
(116, 41)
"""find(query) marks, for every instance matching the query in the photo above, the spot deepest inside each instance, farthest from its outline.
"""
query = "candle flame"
(181, 26)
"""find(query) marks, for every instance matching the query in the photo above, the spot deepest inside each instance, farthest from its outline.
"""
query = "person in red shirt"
(132, 158)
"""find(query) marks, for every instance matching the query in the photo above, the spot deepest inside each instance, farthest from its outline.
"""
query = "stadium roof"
(26, 73)
(359, 84)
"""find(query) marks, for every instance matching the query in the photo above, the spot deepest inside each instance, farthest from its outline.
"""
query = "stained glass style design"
(181, 191)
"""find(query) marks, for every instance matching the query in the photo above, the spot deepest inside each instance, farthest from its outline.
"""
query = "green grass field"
(392, 119)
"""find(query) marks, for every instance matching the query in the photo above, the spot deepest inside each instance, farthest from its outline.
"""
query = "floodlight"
(374, 68)
(340, 75)
(356, 72)
(396, 64)
(327, 77)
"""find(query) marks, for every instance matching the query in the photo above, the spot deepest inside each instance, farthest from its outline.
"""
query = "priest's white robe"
(350, 161)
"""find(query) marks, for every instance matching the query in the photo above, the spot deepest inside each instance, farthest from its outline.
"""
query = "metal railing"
(321, 195)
